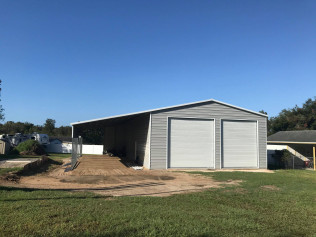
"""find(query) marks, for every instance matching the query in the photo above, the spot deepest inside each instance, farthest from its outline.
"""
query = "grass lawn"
(58, 156)
(7, 170)
(286, 207)
(54, 156)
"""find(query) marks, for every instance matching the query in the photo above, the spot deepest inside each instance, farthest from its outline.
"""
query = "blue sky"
(79, 60)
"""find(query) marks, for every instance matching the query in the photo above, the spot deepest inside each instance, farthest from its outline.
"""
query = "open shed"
(205, 134)
(300, 143)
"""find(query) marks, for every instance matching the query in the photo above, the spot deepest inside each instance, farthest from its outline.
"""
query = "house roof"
(303, 137)
(170, 107)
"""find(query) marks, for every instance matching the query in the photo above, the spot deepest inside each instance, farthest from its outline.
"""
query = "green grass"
(54, 156)
(244, 210)
(5, 157)
(4, 171)
(58, 156)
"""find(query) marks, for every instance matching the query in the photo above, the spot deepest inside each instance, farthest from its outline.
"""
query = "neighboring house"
(63, 139)
(299, 143)
(206, 134)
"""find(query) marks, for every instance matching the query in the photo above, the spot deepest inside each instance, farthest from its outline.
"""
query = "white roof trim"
(289, 142)
(170, 107)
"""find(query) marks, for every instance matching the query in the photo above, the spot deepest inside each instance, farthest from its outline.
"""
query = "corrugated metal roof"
(303, 136)
(170, 107)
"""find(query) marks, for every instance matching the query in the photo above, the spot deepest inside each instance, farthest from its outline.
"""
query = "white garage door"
(239, 144)
(191, 143)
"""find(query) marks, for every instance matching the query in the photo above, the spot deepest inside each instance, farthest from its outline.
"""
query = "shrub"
(286, 156)
(282, 157)
(13, 151)
(30, 147)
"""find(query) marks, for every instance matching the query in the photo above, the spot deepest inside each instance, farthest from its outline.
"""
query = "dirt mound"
(38, 166)
(11, 177)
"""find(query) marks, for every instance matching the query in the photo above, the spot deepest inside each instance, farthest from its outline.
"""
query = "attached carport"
(124, 136)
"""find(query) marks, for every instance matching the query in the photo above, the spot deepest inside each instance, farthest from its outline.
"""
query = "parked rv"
(43, 139)
(16, 139)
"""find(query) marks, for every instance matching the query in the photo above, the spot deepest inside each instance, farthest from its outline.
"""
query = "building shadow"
(112, 188)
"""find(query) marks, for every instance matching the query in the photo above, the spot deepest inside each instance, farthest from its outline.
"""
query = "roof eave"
(165, 108)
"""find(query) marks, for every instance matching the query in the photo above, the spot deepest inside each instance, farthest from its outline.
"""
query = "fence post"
(78, 148)
(293, 161)
(80, 145)
(74, 153)
(314, 157)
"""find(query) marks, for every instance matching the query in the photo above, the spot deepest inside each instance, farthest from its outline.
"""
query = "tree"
(63, 131)
(49, 126)
(297, 118)
(28, 128)
(1, 109)
(11, 127)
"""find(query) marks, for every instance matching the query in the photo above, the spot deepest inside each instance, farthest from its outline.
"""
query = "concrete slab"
(15, 163)
(27, 160)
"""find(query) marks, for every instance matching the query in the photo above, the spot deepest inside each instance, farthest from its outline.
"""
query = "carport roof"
(298, 137)
(170, 107)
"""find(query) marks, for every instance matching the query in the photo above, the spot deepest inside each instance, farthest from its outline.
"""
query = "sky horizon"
(79, 60)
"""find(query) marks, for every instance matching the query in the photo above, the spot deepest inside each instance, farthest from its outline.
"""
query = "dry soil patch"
(270, 187)
(120, 182)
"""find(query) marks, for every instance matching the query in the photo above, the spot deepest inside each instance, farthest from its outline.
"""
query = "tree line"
(297, 118)
(48, 128)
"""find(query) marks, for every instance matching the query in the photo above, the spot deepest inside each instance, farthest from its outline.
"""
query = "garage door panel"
(191, 143)
(239, 144)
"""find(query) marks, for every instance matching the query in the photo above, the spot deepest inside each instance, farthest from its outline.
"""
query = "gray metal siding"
(208, 110)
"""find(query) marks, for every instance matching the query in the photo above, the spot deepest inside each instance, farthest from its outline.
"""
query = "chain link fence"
(283, 159)
(310, 163)
(76, 151)
(294, 162)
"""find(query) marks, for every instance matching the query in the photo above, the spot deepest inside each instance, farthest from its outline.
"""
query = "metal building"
(205, 134)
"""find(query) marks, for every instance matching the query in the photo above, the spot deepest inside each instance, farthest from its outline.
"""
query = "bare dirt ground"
(108, 176)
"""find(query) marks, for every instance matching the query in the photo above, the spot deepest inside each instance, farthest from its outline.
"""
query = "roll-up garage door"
(239, 144)
(191, 143)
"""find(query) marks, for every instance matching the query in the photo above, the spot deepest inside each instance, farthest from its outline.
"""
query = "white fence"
(67, 148)
(92, 149)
